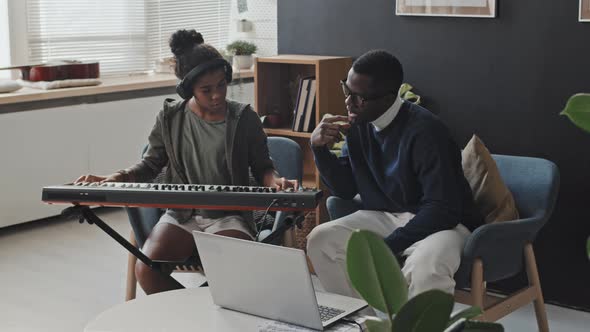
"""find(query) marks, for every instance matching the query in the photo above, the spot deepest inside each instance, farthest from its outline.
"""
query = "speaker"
(184, 88)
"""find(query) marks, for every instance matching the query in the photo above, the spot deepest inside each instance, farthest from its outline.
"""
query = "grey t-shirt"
(202, 154)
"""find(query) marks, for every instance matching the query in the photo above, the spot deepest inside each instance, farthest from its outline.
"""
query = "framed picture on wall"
(460, 8)
(584, 10)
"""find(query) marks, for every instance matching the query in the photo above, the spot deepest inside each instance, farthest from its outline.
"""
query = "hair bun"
(182, 40)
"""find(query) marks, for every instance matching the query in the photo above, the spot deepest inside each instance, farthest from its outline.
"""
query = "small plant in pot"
(242, 53)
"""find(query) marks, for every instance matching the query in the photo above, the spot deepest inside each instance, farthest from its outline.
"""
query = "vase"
(242, 61)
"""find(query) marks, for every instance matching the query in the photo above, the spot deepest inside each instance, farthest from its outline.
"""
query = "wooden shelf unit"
(276, 82)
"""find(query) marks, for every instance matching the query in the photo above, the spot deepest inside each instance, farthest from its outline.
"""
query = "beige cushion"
(492, 197)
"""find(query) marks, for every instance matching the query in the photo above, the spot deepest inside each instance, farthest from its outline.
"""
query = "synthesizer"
(183, 196)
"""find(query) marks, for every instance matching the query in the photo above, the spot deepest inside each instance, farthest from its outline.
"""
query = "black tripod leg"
(85, 213)
(289, 222)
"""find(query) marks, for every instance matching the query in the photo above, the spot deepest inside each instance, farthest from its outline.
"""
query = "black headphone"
(184, 88)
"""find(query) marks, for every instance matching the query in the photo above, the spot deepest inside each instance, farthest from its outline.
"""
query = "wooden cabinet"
(276, 81)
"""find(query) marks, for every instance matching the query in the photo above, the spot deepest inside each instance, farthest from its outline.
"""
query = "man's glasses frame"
(358, 99)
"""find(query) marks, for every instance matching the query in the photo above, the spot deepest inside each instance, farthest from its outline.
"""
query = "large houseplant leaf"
(464, 325)
(428, 311)
(375, 273)
(577, 110)
(467, 313)
(377, 325)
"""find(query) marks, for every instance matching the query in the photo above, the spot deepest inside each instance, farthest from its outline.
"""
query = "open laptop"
(268, 281)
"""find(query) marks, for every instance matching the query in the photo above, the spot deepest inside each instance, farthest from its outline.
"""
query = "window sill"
(108, 85)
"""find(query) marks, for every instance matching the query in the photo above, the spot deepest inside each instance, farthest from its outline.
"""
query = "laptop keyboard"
(327, 313)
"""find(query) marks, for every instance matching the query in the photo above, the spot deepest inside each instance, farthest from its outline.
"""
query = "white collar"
(385, 119)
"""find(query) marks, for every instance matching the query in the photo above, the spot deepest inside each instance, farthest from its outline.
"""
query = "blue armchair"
(495, 251)
(288, 160)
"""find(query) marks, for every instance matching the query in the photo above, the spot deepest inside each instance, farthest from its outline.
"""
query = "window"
(209, 17)
(123, 35)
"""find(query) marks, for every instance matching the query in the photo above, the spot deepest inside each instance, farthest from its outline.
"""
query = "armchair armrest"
(500, 246)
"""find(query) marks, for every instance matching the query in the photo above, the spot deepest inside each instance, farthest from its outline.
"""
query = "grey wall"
(505, 79)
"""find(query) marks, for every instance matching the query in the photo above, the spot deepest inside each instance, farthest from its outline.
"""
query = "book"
(298, 104)
(309, 122)
(299, 112)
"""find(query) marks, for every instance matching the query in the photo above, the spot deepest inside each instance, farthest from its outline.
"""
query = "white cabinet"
(37, 148)
(56, 145)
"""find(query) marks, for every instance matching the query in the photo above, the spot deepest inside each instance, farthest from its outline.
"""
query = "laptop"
(268, 281)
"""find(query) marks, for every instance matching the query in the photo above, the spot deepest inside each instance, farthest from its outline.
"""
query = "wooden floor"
(57, 275)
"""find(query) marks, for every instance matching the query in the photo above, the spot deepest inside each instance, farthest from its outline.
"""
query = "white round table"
(189, 309)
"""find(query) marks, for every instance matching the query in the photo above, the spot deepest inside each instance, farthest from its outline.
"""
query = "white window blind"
(123, 35)
(209, 17)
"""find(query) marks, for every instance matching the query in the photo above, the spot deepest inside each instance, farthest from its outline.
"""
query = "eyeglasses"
(358, 99)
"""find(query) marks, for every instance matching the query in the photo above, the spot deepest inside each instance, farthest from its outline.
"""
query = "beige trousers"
(430, 263)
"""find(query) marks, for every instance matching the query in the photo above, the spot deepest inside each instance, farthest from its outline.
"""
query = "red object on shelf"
(65, 70)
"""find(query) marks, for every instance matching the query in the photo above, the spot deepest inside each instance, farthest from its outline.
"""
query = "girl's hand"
(279, 183)
(115, 177)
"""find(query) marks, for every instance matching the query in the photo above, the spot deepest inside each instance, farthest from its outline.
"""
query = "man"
(406, 167)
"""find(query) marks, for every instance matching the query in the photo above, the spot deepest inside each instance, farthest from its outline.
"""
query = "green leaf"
(405, 87)
(375, 273)
(375, 324)
(428, 311)
(405, 93)
(411, 97)
(241, 47)
(467, 313)
(577, 110)
(457, 326)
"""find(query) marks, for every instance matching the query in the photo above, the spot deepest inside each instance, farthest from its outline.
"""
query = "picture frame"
(451, 8)
(584, 11)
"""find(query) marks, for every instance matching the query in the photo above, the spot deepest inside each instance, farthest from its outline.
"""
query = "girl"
(203, 139)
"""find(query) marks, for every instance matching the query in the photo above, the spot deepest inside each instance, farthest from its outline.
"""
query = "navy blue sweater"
(412, 165)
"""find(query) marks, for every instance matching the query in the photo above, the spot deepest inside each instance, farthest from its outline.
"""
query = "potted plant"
(376, 276)
(577, 110)
(242, 53)
(406, 94)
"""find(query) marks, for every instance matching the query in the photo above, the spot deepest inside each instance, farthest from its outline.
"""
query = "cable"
(263, 219)
(350, 321)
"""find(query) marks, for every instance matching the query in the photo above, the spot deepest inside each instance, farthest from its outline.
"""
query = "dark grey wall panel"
(505, 79)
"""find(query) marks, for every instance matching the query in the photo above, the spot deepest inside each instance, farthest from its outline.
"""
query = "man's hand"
(328, 131)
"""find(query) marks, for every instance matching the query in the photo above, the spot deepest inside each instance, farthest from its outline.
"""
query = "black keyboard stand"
(292, 219)
(84, 213)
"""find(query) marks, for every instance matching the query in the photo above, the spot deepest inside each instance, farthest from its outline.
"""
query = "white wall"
(263, 15)
(4, 39)
(243, 92)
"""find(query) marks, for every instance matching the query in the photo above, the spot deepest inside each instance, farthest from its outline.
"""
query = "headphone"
(184, 88)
